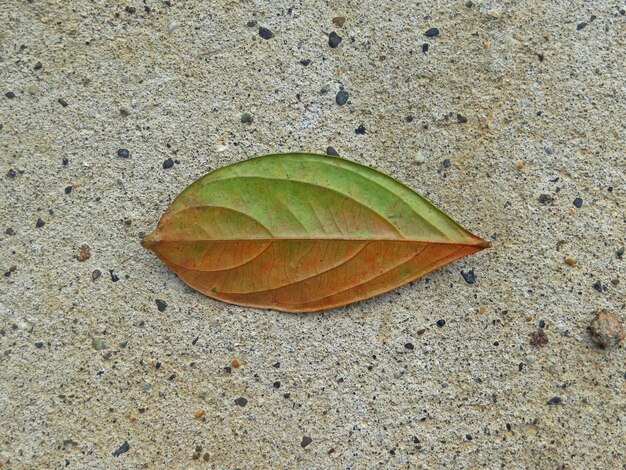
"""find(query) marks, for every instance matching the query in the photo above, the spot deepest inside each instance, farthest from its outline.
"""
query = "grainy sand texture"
(509, 116)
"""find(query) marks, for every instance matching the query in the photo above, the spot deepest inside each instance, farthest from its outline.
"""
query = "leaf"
(303, 232)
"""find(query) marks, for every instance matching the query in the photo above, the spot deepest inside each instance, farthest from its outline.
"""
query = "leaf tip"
(483, 244)
(150, 240)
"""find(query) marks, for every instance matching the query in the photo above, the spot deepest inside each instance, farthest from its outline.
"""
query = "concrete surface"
(86, 366)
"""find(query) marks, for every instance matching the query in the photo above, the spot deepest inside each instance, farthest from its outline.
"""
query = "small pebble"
(520, 164)
(468, 437)
(161, 305)
(121, 449)
(331, 151)
(598, 286)
(420, 157)
(461, 119)
(169, 163)
(306, 440)
(276, 384)
(40, 223)
(114, 277)
(123, 153)
(342, 97)
(84, 253)
(246, 118)
(11, 173)
(554, 401)
(95, 274)
(241, 401)
(98, 344)
(446, 163)
(172, 26)
(124, 111)
(65, 161)
(62, 102)
(68, 189)
(545, 199)
(570, 261)
(265, 33)
(425, 47)
(206, 457)
(305, 62)
(409, 346)
(10, 231)
(620, 253)
(334, 40)
(360, 130)
(469, 276)
(606, 329)
(39, 345)
(251, 23)
(409, 118)
(199, 414)
(432, 32)
(580, 26)
(325, 89)
(38, 66)
(339, 20)
(578, 203)
(441, 323)
(10, 95)
(538, 339)
(235, 363)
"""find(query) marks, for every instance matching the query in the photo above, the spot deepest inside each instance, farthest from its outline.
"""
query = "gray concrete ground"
(514, 110)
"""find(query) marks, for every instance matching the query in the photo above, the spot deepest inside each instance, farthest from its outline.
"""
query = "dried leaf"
(303, 232)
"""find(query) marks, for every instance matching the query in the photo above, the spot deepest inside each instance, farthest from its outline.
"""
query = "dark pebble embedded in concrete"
(251, 23)
(276, 365)
(578, 202)
(161, 305)
(461, 119)
(246, 118)
(306, 440)
(123, 153)
(469, 276)
(360, 130)
(68, 189)
(10, 231)
(580, 26)
(169, 163)
(432, 32)
(554, 401)
(241, 401)
(342, 97)
(441, 323)
(10, 95)
(11, 173)
(425, 47)
(598, 286)
(305, 62)
(40, 223)
(276, 384)
(62, 102)
(39, 345)
(446, 163)
(331, 151)
(114, 277)
(125, 447)
(130, 10)
(545, 199)
(95, 274)
(265, 33)
(409, 346)
(65, 161)
(334, 40)
(409, 118)
(38, 66)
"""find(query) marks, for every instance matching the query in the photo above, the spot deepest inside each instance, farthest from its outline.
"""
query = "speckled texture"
(86, 365)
